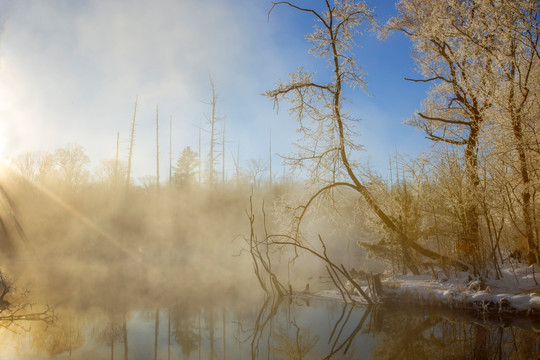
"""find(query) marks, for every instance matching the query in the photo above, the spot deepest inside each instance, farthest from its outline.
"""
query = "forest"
(470, 203)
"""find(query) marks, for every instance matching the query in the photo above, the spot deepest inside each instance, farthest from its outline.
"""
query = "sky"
(70, 72)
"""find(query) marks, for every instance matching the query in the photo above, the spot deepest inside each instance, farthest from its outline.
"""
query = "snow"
(518, 290)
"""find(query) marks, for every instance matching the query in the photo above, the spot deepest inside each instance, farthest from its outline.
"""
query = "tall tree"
(212, 120)
(157, 146)
(116, 160)
(131, 140)
(199, 155)
(270, 177)
(170, 151)
(457, 105)
(325, 125)
(514, 28)
(223, 154)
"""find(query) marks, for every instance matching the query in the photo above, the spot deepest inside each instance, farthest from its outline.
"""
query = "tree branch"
(274, 4)
(432, 118)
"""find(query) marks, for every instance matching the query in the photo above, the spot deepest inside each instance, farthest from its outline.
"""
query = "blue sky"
(70, 71)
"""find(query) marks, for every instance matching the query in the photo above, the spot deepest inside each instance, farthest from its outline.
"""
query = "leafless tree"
(131, 140)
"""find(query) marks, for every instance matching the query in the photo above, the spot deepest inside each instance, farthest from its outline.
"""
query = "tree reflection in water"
(280, 328)
(109, 333)
(442, 334)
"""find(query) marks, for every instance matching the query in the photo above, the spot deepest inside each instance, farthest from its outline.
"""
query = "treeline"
(69, 167)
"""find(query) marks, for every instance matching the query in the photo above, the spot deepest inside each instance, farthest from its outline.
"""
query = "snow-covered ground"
(518, 291)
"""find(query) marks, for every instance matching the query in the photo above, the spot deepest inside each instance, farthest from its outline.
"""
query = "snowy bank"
(518, 291)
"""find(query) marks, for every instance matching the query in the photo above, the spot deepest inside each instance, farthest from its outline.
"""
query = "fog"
(101, 245)
(111, 269)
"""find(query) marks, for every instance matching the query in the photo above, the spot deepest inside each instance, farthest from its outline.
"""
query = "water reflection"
(275, 328)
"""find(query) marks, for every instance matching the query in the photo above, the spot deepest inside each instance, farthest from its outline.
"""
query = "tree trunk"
(517, 128)
(532, 255)
(132, 137)
(157, 148)
(470, 220)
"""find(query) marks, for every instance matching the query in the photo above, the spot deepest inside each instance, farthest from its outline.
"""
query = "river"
(233, 326)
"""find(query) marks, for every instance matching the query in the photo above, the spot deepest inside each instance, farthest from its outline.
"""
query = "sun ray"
(82, 218)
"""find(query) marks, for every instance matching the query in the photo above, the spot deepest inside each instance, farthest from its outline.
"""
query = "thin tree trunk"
(238, 164)
(116, 160)
(157, 148)
(270, 157)
(124, 328)
(223, 156)
(213, 119)
(132, 137)
(224, 335)
(200, 162)
(156, 334)
(170, 152)
(169, 334)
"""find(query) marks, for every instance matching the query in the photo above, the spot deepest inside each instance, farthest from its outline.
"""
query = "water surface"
(228, 327)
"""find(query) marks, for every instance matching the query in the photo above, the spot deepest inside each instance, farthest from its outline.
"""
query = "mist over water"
(92, 246)
(161, 274)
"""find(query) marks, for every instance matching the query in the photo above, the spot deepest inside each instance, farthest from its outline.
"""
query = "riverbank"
(516, 292)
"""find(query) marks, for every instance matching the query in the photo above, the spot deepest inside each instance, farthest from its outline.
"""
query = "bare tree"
(270, 177)
(236, 161)
(72, 162)
(212, 120)
(223, 154)
(34, 166)
(116, 160)
(131, 140)
(112, 171)
(157, 147)
(257, 167)
(170, 151)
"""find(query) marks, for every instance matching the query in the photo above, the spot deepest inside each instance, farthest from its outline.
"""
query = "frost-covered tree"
(456, 107)
(514, 29)
(482, 58)
(326, 127)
